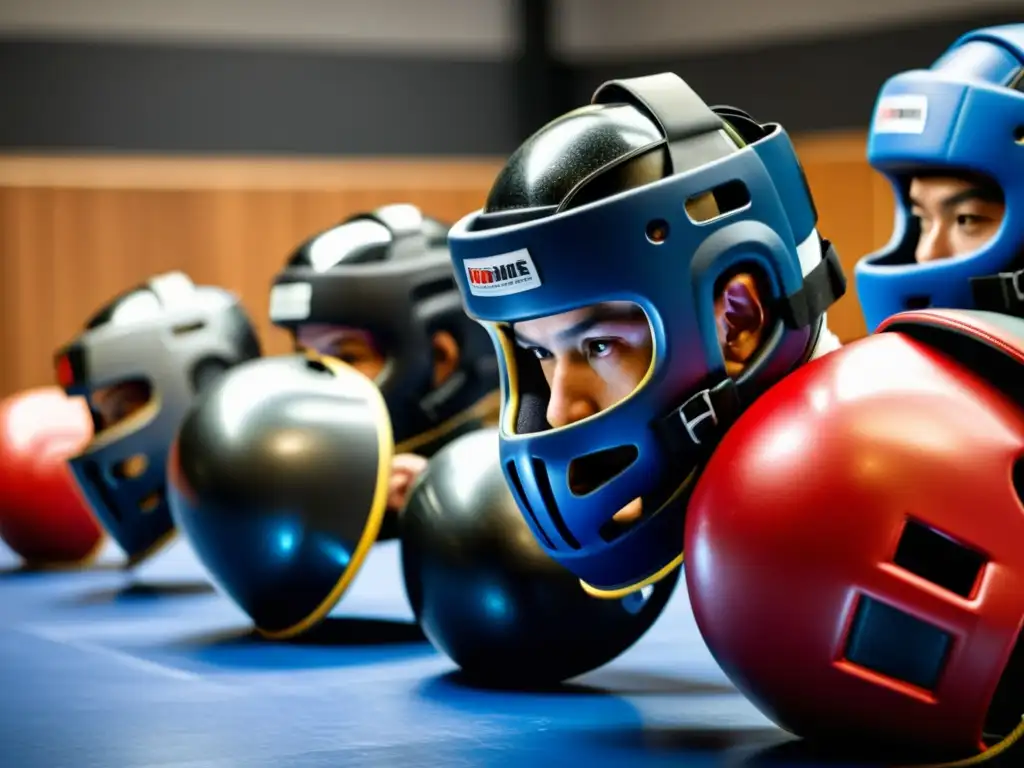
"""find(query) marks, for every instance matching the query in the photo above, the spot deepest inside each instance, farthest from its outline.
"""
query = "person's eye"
(968, 220)
(600, 347)
(539, 352)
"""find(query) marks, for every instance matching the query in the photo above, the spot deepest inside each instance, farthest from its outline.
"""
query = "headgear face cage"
(963, 115)
(522, 265)
(174, 338)
(389, 273)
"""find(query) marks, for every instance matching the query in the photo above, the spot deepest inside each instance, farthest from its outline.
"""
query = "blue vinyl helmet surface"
(964, 114)
(513, 268)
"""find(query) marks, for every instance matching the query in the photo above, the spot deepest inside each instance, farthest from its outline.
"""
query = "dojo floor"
(106, 669)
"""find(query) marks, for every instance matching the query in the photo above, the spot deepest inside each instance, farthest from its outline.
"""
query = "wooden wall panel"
(76, 231)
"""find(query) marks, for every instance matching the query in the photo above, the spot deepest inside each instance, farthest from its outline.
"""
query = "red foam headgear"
(43, 518)
(855, 547)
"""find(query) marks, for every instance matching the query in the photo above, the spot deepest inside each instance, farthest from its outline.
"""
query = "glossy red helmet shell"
(855, 547)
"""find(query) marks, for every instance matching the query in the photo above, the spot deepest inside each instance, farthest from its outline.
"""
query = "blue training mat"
(108, 669)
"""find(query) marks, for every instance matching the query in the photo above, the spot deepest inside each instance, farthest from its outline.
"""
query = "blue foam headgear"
(965, 114)
(520, 265)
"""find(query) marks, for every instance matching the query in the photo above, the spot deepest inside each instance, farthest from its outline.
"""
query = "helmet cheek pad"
(962, 116)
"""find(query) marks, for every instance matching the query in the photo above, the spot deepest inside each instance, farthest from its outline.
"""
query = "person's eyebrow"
(602, 313)
(982, 194)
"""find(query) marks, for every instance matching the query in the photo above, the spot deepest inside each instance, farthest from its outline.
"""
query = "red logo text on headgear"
(902, 113)
(502, 275)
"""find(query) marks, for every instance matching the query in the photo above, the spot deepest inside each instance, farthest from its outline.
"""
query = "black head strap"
(692, 431)
(672, 105)
(1002, 293)
(823, 286)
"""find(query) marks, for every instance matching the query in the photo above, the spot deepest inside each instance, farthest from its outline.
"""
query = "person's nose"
(571, 395)
(934, 245)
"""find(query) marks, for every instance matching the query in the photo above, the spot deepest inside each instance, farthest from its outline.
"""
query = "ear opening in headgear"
(314, 362)
(753, 270)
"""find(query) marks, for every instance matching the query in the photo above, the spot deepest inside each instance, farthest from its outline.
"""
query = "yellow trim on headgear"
(994, 751)
(125, 427)
(378, 508)
(512, 397)
(733, 133)
(621, 592)
(483, 409)
(511, 416)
